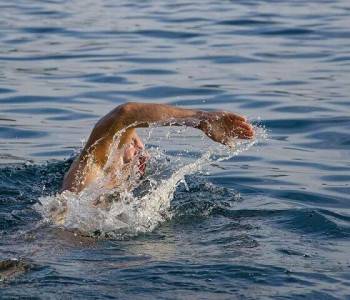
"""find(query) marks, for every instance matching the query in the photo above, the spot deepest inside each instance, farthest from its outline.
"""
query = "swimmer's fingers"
(235, 117)
(242, 130)
(223, 126)
(237, 126)
(242, 133)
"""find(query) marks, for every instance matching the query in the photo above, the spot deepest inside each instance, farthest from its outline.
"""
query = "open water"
(271, 222)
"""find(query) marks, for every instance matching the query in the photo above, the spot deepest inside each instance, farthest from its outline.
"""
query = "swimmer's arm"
(219, 126)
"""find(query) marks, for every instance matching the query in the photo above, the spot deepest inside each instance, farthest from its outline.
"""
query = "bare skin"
(92, 162)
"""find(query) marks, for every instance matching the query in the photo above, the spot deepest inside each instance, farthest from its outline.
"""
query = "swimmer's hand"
(222, 126)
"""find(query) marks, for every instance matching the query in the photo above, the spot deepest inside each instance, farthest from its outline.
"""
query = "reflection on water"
(271, 222)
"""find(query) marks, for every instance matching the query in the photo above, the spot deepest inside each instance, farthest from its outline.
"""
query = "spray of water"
(138, 205)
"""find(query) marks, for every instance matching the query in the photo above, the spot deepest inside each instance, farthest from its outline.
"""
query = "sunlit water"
(272, 221)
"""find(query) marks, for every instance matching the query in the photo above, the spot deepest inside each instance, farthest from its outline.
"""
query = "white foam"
(132, 213)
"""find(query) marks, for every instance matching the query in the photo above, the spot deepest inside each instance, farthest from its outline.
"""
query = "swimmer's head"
(136, 150)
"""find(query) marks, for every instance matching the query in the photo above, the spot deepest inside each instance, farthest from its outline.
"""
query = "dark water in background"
(65, 63)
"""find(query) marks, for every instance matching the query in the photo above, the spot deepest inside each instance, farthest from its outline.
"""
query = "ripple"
(287, 82)
(161, 92)
(101, 78)
(291, 252)
(151, 72)
(73, 116)
(229, 59)
(184, 20)
(167, 34)
(59, 57)
(312, 222)
(289, 31)
(37, 110)
(44, 30)
(329, 140)
(221, 98)
(311, 165)
(300, 109)
(53, 153)
(307, 197)
(148, 60)
(310, 124)
(336, 178)
(246, 22)
(257, 104)
(50, 13)
(33, 99)
(5, 91)
(340, 59)
(294, 55)
(7, 132)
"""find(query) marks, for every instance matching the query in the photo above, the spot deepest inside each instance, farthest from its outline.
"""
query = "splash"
(138, 206)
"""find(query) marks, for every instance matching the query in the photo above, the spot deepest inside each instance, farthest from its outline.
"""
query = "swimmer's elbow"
(127, 113)
(126, 108)
(116, 118)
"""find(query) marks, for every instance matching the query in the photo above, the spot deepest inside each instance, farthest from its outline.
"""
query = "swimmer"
(95, 162)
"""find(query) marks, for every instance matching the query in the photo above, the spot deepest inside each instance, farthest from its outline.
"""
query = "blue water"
(271, 223)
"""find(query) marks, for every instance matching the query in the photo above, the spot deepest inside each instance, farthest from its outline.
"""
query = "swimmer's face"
(136, 150)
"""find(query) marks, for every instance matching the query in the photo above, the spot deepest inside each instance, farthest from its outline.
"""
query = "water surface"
(273, 222)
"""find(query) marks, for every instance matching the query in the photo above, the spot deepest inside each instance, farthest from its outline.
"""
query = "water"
(272, 222)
